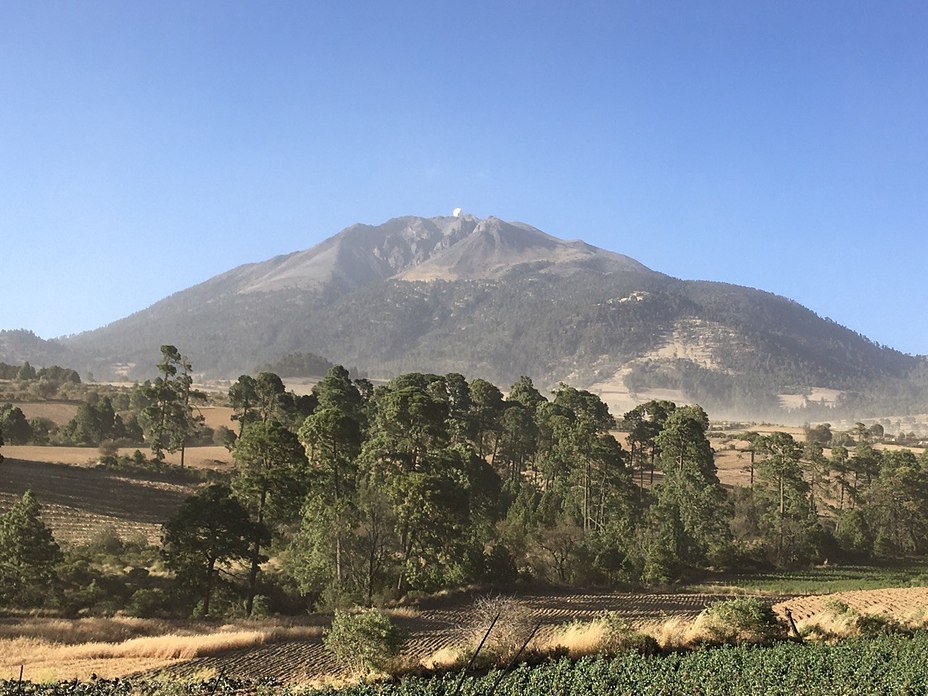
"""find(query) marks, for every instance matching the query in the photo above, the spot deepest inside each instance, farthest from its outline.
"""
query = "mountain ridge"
(497, 299)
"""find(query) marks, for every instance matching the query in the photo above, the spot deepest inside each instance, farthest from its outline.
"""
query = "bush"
(364, 642)
(873, 625)
(620, 636)
(742, 620)
(147, 603)
(839, 620)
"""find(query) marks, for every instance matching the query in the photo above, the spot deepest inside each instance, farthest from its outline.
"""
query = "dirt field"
(55, 649)
(901, 603)
(431, 629)
(58, 412)
(78, 502)
(214, 416)
(212, 457)
(437, 626)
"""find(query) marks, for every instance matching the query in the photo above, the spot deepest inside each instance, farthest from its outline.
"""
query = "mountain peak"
(496, 247)
(555, 310)
(414, 248)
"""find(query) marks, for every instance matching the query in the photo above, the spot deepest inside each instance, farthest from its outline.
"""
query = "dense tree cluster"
(362, 494)
(431, 481)
(27, 372)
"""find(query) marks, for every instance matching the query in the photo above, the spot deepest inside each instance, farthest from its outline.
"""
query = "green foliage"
(742, 620)
(28, 555)
(14, 427)
(168, 420)
(270, 481)
(96, 421)
(689, 519)
(104, 575)
(834, 578)
(298, 365)
(363, 642)
(620, 636)
(210, 529)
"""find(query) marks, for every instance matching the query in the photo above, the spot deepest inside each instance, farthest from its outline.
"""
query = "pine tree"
(28, 554)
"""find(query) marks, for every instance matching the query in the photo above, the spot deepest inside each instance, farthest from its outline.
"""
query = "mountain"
(499, 299)
(20, 345)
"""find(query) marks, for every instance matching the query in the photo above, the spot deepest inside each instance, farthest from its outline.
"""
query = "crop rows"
(433, 629)
(886, 665)
(901, 602)
(77, 501)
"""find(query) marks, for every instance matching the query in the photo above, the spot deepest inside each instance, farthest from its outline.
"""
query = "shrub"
(742, 620)
(620, 636)
(873, 625)
(510, 631)
(839, 620)
(364, 642)
(147, 603)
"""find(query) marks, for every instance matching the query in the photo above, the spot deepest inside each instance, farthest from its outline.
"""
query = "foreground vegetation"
(884, 665)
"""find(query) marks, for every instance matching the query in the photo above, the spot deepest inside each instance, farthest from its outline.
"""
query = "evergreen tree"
(788, 521)
(169, 420)
(270, 481)
(28, 554)
(209, 530)
(692, 511)
(332, 437)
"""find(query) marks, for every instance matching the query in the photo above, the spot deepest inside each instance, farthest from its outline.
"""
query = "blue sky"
(147, 146)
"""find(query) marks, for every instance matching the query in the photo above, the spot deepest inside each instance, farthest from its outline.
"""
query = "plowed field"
(900, 602)
(438, 627)
(78, 501)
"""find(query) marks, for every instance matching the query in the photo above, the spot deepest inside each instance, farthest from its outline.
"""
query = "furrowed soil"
(78, 502)
(901, 603)
(437, 624)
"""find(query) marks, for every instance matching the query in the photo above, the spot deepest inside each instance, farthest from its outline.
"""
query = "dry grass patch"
(512, 623)
(206, 457)
(55, 649)
(577, 639)
(673, 633)
(448, 658)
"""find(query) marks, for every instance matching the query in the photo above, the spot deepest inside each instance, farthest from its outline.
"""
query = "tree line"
(363, 494)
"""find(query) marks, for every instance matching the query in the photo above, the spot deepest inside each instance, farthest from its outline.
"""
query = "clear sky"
(147, 146)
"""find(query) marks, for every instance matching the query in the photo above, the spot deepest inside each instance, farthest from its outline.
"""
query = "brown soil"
(438, 626)
(900, 603)
(78, 502)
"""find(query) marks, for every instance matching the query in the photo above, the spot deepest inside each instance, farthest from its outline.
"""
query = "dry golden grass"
(402, 612)
(57, 412)
(67, 632)
(214, 416)
(577, 639)
(51, 649)
(674, 632)
(211, 457)
(449, 657)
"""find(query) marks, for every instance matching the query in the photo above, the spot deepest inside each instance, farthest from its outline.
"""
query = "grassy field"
(823, 580)
(54, 649)
(211, 457)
